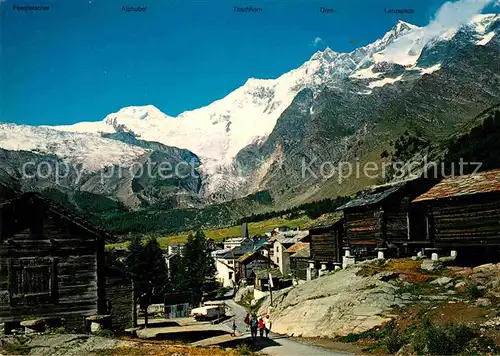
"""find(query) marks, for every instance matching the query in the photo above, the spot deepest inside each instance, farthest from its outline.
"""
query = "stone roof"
(372, 198)
(264, 273)
(470, 184)
(59, 210)
(303, 253)
(291, 237)
(297, 247)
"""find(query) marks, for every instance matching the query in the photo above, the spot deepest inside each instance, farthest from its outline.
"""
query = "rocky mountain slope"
(280, 135)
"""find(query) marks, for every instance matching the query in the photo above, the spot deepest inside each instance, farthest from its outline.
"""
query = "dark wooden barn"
(381, 217)
(463, 210)
(51, 263)
(326, 243)
(300, 254)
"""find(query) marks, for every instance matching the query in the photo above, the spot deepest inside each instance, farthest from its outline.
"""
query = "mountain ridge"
(334, 107)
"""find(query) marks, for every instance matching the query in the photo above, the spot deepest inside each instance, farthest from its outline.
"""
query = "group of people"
(262, 325)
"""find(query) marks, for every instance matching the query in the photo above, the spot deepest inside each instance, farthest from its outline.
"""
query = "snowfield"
(90, 150)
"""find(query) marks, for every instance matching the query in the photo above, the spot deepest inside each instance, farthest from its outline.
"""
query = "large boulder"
(336, 304)
(242, 292)
(431, 265)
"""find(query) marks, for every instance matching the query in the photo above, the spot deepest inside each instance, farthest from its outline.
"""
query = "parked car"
(208, 312)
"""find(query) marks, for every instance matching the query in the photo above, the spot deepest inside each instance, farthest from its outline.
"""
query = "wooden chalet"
(51, 263)
(463, 211)
(326, 244)
(249, 262)
(300, 254)
(381, 216)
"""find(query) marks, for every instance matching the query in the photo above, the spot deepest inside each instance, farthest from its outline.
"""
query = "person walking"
(247, 322)
(254, 324)
(234, 328)
(267, 325)
(261, 328)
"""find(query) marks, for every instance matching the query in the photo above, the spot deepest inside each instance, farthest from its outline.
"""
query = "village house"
(300, 254)
(279, 230)
(379, 218)
(51, 263)
(253, 260)
(326, 247)
(226, 263)
(281, 243)
(242, 241)
(225, 273)
(462, 212)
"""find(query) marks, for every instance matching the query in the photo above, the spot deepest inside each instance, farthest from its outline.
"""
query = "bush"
(377, 333)
(245, 349)
(254, 309)
(18, 347)
(445, 339)
(394, 342)
(222, 291)
(105, 333)
(351, 337)
(473, 292)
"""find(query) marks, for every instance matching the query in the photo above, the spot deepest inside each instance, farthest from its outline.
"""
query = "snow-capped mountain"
(221, 133)
(250, 112)
(242, 117)
(89, 150)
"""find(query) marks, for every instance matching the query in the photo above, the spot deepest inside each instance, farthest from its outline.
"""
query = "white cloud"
(451, 15)
(455, 14)
(316, 41)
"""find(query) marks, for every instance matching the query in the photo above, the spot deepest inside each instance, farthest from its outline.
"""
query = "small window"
(32, 280)
(230, 275)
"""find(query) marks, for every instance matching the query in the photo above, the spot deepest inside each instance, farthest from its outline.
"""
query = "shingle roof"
(291, 237)
(327, 220)
(297, 247)
(303, 253)
(264, 273)
(237, 252)
(63, 212)
(470, 184)
(372, 198)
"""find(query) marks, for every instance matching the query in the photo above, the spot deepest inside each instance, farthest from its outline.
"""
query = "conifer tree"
(200, 267)
(148, 271)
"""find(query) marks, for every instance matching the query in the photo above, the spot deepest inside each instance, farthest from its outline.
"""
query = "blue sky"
(83, 59)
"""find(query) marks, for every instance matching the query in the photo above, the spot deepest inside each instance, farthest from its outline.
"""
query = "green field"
(254, 228)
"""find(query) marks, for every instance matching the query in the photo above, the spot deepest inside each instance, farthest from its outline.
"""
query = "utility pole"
(270, 283)
(270, 280)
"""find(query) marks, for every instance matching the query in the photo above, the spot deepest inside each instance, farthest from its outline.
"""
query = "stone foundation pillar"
(323, 269)
(348, 260)
(380, 255)
(434, 256)
(453, 253)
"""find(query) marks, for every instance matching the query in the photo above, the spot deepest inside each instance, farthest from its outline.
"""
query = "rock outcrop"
(339, 303)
